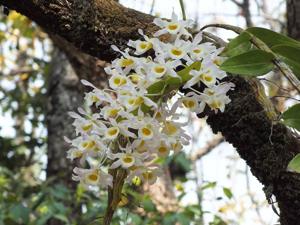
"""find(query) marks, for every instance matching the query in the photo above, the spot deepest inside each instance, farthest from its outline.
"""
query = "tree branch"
(93, 25)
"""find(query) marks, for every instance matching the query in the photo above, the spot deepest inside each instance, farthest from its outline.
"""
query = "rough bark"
(293, 18)
(63, 96)
(92, 26)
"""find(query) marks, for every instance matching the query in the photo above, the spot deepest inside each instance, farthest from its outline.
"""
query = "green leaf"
(183, 219)
(290, 55)
(135, 218)
(157, 87)
(20, 213)
(227, 192)
(272, 38)
(148, 205)
(183, 162)
(252, 63)
(62, 217)
(185, 73)
(238, 45)
(294, 164)
(291, 117)
(209, 185)
(173, 81)
(169, 219)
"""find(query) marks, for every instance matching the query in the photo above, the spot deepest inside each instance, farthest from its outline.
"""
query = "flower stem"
(182, 9)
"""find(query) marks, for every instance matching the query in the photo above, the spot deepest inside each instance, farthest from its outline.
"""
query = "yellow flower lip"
(93, 177)
(112, 131)
(197, 50)
(159, 69)
(128, 159)
(162, 149)
(189, 103)
(134, 78)
(91, 144)
(215, 104)
(208, 78)
(176, 51)
(95, 98)
(85, 144)
(78, 154)
(170, 128)
(126, 62)
(173, 26)
(119, 81)
(211, 92)
(145, 45)
(87, 127)
(146, 131)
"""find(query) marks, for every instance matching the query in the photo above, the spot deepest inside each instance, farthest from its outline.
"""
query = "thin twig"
(182, 9)
(208, 147)
(282, 96)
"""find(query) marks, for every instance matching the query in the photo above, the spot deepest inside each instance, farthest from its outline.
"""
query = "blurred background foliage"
(26, 196)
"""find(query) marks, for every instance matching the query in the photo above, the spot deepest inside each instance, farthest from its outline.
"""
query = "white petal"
(74, 115)
(115, 164)
(86, 83)
(160, 32)
(159, 22)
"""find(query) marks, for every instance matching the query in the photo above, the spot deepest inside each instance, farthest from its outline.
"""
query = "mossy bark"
(266, 145)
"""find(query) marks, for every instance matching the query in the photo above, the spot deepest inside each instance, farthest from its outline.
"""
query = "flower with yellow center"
(190, 103)
(215, 104)
(173, 28)
(93, 176)
(158, 70)
(116, 81)
(112, 133)
(74, 153)
(163, 150)
(170, 128)
(132, 102)
(127, 160)
(146, 132)
(110, 111)
(142, 47)
(87, 127)
(176, 53)
(85, 144)
(125, 62)
(208, 79)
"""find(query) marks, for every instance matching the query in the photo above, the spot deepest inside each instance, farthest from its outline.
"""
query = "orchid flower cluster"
(134, 126)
